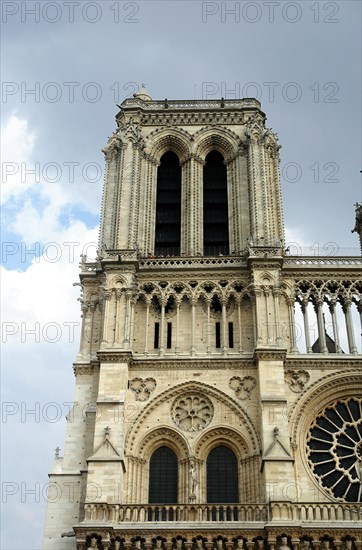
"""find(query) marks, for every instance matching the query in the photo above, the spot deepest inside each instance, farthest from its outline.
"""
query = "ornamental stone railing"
(315, 512)
(193, 104)
(285, 512)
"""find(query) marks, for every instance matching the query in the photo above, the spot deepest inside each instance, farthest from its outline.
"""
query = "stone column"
(148, 303)
(127, 321)
(321, 327)
(238, 301)
(83, 341)
(92, 308)
(349, 326)
(177, 347)
(276, 294)
(258, 318)
(224, 343)
(267, 327)
(305, 303)
(293, 343)
(107, 299)
(162, 328)
(117, 317)
(359, 308)
(193, 326)
(332, 309)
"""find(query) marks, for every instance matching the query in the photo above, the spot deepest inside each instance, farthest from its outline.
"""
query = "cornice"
(109, 356)
(270, 354)
(192, 364)
(84, 368)
(311, 362)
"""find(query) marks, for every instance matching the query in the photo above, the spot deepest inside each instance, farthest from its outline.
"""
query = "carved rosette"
(242, 386)
(142, 387)
(192, 412)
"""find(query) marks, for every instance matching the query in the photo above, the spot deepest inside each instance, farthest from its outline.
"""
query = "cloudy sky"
(65, 66)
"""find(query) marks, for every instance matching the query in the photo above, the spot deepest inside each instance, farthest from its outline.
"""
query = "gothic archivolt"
(221, 435)
(166, 139)
(219, 400)
(216, 138)
(196, 145)
(164, 435)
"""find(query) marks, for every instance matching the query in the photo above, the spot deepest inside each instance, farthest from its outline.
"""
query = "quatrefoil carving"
(242, 386)
(142, 387)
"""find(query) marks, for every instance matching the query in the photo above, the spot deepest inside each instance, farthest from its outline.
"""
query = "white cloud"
(40, 324)
(17, 145)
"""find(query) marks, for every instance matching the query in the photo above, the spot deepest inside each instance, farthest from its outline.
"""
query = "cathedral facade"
(218, 400)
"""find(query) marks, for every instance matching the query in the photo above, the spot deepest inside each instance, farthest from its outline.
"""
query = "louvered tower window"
(216, 222)
(168, 206)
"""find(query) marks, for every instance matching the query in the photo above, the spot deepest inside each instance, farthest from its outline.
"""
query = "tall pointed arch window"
(216, 219)
(163, 477)
(222, 476)
(168, 206)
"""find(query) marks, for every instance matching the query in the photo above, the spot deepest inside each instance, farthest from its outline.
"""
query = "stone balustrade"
(263, 513)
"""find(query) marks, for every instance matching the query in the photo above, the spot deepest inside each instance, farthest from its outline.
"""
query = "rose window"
(334, 449)
(192, 412)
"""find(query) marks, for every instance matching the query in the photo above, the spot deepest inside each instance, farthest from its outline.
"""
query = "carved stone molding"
(197, 364)
(202, 537)
(80, 370)
(242, 386)
(297, 379)
(338, 362)
(114, 357)
(142, 387)
(270, 354)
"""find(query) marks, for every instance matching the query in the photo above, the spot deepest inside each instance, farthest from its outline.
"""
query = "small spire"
(143, 94)
(57, 451)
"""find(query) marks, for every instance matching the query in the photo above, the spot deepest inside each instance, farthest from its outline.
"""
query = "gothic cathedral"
(218, 401)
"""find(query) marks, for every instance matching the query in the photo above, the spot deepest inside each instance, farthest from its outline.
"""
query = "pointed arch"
(215, 205)
(163, 476)
(168, 205)
(222, 476)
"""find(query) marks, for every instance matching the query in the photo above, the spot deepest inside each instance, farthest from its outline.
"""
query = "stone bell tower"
(204, 417)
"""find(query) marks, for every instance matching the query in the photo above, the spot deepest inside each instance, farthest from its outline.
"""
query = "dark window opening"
(222, 476)
(231, 335)
(168, 206)
(163, 482)
(217, 335)
(156, 340)
(216, 306)
(169, 335)
(216, 222)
